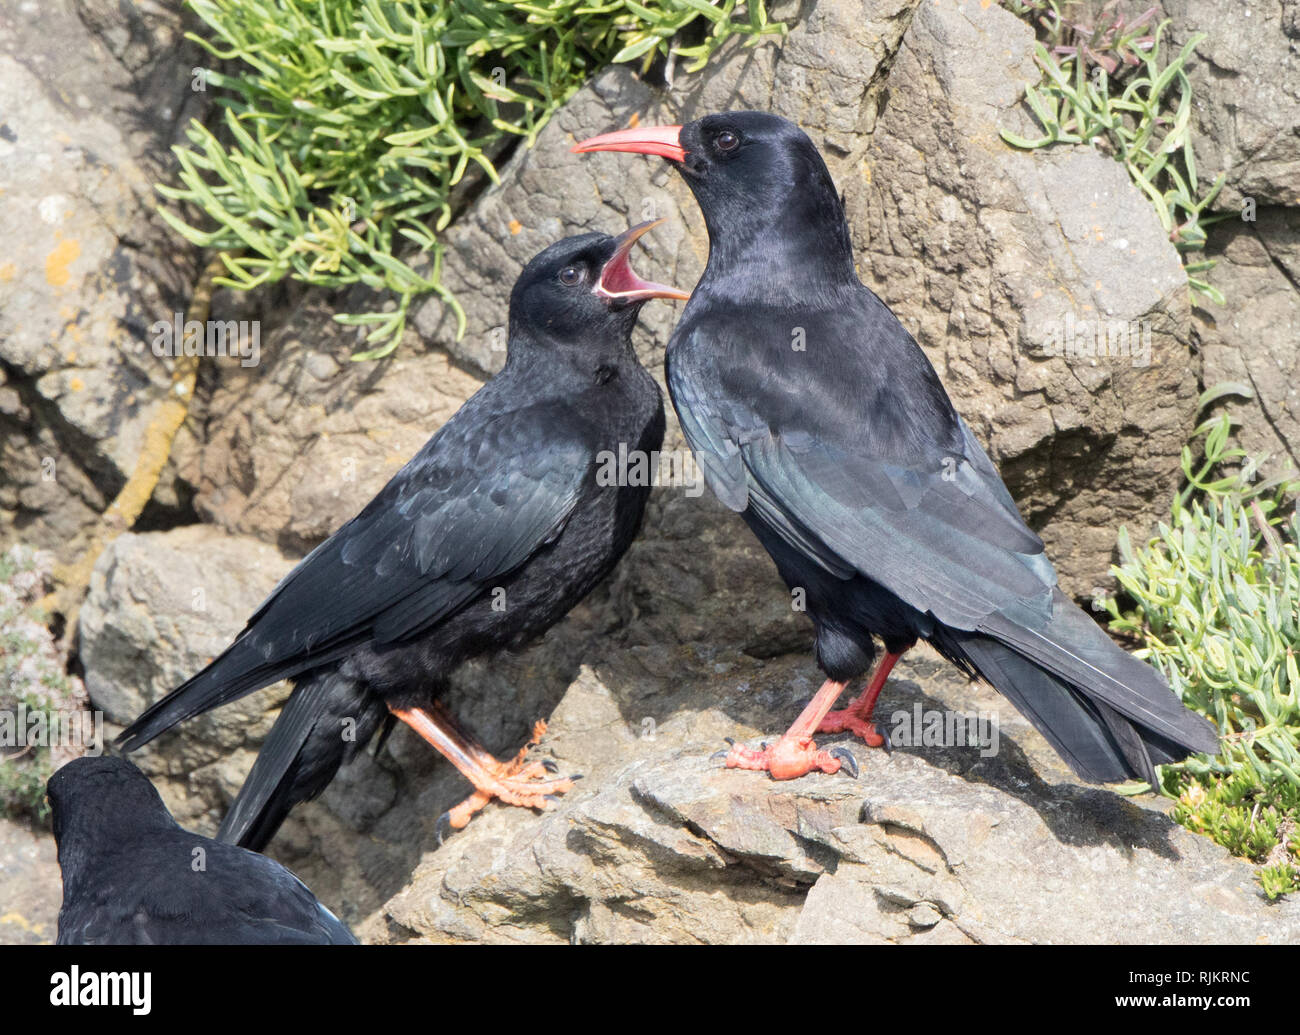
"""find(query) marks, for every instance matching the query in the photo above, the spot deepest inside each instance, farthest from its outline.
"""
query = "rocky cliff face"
(1247, 117)
(985, 253)
(91, 95)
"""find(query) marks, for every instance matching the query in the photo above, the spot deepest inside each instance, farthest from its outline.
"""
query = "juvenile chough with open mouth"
(132, 876)
(816, 416)
(501, 507)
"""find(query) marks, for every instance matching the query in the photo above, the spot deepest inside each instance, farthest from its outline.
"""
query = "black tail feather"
(235, 673)
(1074, 649)
(1109, 716)
(1130, 743)
(204, 690)
(325, 722)
(1065, 717)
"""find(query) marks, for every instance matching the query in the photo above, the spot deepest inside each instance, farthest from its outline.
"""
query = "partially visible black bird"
(133, 876)
(817, 417)
(495, 529)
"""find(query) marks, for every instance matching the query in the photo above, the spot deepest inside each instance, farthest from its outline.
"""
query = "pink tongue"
(618, 277)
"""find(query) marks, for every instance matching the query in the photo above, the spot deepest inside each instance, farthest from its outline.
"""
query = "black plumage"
(815, 415)
(133, 876)
(487, 537)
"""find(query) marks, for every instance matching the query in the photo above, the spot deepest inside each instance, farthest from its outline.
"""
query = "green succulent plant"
(1114, 87)
(1214, 601)
(347, 125)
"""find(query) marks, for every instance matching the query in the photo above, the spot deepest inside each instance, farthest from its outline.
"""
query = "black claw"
(441, 827)
(719, 756)
(729, 741)
(550, 766)
(764, 745)
(576, 777)
(847, 760)
(884, 735)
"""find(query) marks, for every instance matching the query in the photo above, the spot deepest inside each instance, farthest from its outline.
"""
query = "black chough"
(486, 538)
(132, 876)
(815, 415)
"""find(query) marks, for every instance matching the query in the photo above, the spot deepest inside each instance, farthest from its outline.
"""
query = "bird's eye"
(726, 140)
(571, 275)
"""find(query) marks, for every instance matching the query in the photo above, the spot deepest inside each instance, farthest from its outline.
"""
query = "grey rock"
(160, 606)
(31, 889)
(658, 844)
(88, 267)
(296, 446)
(663, 844)
(1245, 78)
(1252, 341)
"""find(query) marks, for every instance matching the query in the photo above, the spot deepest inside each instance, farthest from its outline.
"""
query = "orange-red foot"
(795, 753)
(848, 720)
(856, 718)
(791, 757)
(516, 782)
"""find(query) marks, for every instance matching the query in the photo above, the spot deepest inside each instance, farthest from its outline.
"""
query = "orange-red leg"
(795, 753)
(856, 718)
(514, 782)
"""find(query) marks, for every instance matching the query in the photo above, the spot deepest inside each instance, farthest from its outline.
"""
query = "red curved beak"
(618, 281)
(664, 141)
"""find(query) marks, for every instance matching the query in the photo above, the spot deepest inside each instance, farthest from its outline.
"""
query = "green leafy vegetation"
(348, 124)
(1113, 86)
(1214, 599)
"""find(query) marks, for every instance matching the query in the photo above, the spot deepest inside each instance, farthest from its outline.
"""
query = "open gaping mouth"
(618, 281)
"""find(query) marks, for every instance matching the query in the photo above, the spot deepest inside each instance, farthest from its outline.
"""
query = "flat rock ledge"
(940, 845)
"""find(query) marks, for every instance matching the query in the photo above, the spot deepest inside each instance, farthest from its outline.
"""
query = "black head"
(743, 165)
(582, 289)
(90, 797)
(761, 184)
